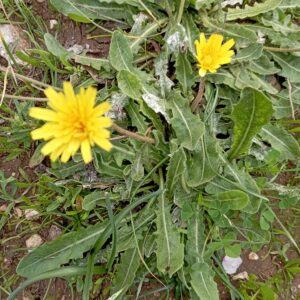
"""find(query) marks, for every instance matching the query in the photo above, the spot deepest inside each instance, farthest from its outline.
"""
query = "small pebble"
(18, 212)
(34, 241)
(253, 256)
(3, 207)
(54, 232)
(53, 23)
(31, 214)
(241, 276)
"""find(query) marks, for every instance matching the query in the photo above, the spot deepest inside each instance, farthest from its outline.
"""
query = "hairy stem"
(133, 135)
(199, 96)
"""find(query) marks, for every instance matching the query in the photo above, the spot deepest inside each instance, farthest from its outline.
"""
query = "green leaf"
(137, 169)
(289, 66)
(54, 46)
(184, 72)
(129, 84)
(187, 126)
(237, 179)
(204, 162)
(192, 32)
(252, 112)
(229, 200)
(263, 66)
(170, 250)
(287, 4)
(233, 250)
(92, 199)
(281, 141)
(175, 169)
(254, 51)
(240, 33)
(120, 55)
(95, 63)
(137, 119)
(251, 11)
(52, 255)
(195, 238)
(203, 283)
(126, 269)
(37, 157)
(88, 10)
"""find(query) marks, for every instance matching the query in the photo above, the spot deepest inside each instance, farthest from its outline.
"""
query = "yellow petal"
(215, 41)
(105, 122)
(101, 109)
(52, 146)
(224, 60)
(56, 153)
(65, 156)
(105, 144)
(228, 45)
(56, 100)
(45, 132)
(103, 134)
(73, 146)
(86, 151)
(202, 40)
(42, 114)
(68, 90)
(90, 97)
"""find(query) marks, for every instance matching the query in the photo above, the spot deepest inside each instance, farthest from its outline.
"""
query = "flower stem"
(180, 11)
(273, 49)
(199, 96)
(133, 135)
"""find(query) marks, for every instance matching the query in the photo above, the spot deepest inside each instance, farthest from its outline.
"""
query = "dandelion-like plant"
(72, 122)
(211, 54)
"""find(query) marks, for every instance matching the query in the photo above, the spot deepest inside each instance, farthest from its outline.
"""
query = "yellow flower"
(212, 54)
(72, 122)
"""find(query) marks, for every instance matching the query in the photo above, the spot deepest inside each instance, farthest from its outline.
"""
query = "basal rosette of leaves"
(171, 210)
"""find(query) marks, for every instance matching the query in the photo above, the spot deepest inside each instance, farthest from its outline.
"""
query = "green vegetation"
(217, 182)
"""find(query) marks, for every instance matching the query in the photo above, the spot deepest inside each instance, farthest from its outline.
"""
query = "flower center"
(207, 60)
(81, 129)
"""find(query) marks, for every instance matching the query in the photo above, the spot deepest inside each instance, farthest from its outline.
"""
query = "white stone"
(18, 212)
(14, 39)
(52, 23)
(253, 256)
(231, 264)
(241, 276)
(34, 241)
(76, 49)
(3, 207)
(31, 214)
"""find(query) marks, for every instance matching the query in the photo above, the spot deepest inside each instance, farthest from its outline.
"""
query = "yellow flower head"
(72, 122)
(212, 54)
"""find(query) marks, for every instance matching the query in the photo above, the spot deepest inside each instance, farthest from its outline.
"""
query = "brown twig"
(274, 49)
(199, 96)
(27, 79)
(133, 135)
(25, 98)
